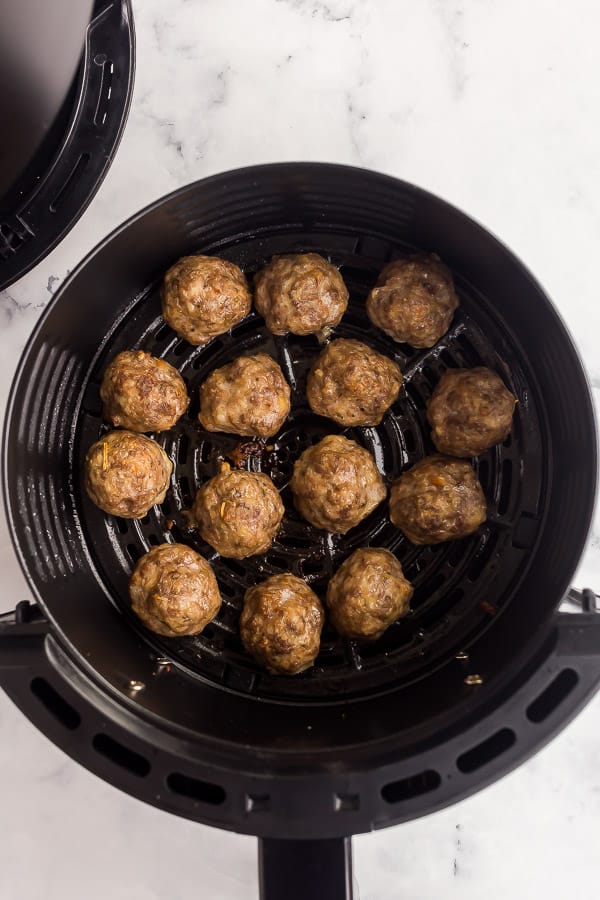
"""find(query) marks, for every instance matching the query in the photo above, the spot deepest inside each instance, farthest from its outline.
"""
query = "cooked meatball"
(281, 624)
(439, 499)
(249, 396)
(367, 593)
(352, 384)
(302, 293)
(336, 484)
(174, 591)
(470, 411)
(203, 296)
(142, 393)
(126, 474)
(414, 300)
(238, 512)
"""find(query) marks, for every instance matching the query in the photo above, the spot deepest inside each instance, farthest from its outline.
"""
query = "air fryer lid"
(40, 47)
(486, 596)
(42, 195)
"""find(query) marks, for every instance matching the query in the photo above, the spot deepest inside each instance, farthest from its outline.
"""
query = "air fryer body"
(382, 729)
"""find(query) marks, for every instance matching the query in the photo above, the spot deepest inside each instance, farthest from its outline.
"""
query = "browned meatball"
(126, 474)
(174, 591)
(281, 624)
(203, 296)
(238, 512)
(439, 499)
(414, 300)
(352, 384)
(249, 396)
(142, 393)
(336, 484)
(367, 593)
(470, 411)
(302, 293)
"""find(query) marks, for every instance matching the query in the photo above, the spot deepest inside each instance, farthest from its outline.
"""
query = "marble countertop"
(492, 105)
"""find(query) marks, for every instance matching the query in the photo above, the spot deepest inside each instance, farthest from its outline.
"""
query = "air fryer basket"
(373, 733)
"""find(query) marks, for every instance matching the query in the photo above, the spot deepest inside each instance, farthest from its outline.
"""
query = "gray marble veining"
(494, 106)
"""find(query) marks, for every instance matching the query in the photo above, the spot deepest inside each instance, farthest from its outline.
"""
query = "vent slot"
(167, 506)
(205, 452)
(470, 357)
(55, 704)
(120, 755)
(11, 240)
(308, 566)
(486, 751)
(229, 590)
(413, 786)
(295, 540)
(182, 449)
(179, 349)
(194, 789)
(280, 562)
(234, 566)
(552, 696)
(134, 552)
(163, 333)
(409, 441)
(505, 486)
(415, 395)
(186, 491)
(104, 93)
(483, 473)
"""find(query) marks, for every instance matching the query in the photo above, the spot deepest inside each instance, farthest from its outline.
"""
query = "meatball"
(470, 411)
(249, 396)
(414, 300)
(173, 591)
(203, 296)
(367, 593)
(336, 484)
(126, 474)
(142, 393)
(281, 624)
(302, 293)
(352, 384)
(439, 499)
(238, 512)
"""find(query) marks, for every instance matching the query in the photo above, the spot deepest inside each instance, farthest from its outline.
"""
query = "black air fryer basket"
(481, 673)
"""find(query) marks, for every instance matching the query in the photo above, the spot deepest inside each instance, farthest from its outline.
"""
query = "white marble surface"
(493, 104)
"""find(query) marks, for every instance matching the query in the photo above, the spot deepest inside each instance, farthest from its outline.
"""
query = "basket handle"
(301, 869)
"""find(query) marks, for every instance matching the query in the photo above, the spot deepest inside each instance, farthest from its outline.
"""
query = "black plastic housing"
(60, 180)
(543, 691)
(370, 736)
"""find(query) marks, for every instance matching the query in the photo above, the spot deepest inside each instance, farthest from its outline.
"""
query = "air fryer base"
(122, 745)
(332, 753)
